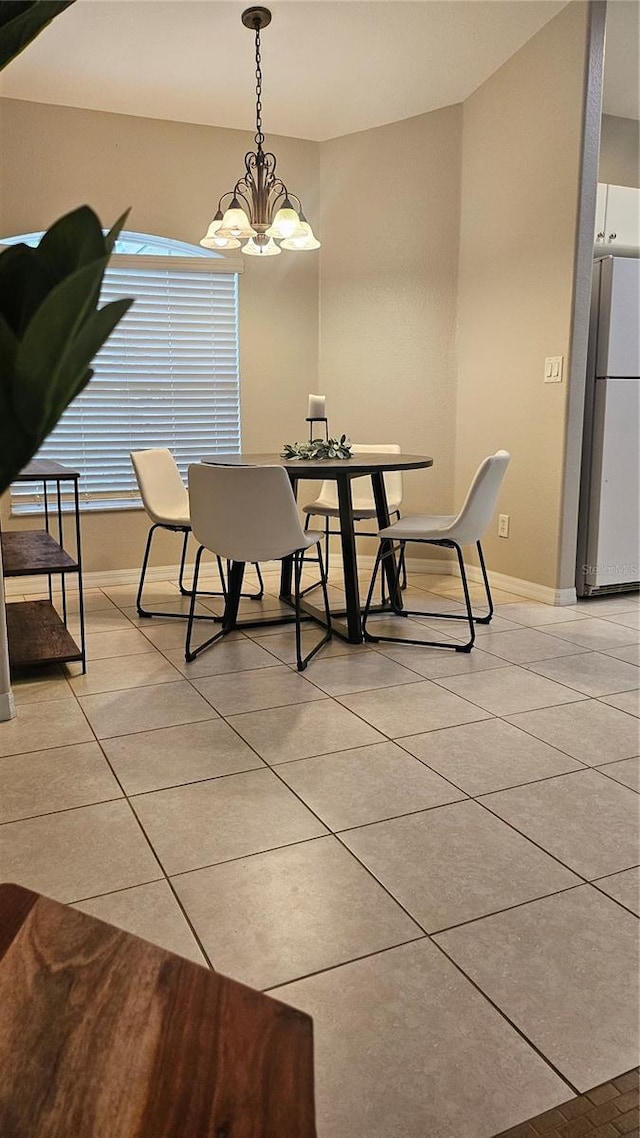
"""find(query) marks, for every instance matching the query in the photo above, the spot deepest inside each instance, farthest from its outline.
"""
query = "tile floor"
(434, 854)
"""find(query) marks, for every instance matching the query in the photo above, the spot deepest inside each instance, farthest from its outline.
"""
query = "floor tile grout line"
(524, 669)
(512, 786)
(158, 859)
(511, 1022)
(604, 698)
(610, 895)
(141, 828)
(577, 703)
(62, 809)
(343, 963)
(251, 854)
(471, 920)
(509, 908)
(584, 880)
(428, 938)
(603, 770)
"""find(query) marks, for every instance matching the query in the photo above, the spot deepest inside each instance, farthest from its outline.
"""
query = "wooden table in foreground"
(103, 1035)
(342, 471)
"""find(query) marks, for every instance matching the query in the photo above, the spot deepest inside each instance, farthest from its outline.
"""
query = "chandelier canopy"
(261, 212)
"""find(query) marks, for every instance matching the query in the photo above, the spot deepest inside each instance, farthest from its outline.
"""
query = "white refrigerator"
(609, 528)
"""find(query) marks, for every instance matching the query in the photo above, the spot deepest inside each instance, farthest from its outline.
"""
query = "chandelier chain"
(259, 135)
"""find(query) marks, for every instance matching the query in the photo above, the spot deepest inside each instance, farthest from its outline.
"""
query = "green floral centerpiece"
(318, 448)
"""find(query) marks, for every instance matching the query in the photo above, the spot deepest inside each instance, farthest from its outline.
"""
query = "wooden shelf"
(37, 635)
(28, 553)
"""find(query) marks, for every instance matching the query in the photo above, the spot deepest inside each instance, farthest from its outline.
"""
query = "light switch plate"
(553, 368)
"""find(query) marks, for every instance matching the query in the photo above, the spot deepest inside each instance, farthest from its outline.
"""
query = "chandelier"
(261, 210)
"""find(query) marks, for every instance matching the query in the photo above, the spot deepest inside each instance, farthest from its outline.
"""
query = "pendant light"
(261, 210)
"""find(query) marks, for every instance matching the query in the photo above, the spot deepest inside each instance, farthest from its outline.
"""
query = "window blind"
(167, 377)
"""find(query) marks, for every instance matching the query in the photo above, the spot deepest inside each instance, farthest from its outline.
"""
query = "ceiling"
(330, 67)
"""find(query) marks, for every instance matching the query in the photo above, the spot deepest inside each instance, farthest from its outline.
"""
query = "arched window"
(168, 376)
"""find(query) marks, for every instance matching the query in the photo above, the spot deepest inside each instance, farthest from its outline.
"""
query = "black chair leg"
(316, 560)
(463, 573)
(214, 593)
(298, 561)
(145, 562)
(232, 600)
(142, 612)
(181, 584)
(189, 652)
(402, 582)
(468, 615)
(484, 619)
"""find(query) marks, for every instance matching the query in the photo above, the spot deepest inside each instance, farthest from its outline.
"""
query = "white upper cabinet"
(617, 218)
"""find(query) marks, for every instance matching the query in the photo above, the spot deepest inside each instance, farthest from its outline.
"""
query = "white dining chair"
(452, 532)
(249, 514)
(364, 506)
(166, 502)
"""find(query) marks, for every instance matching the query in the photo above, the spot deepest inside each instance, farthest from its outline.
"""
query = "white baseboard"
(7, 706)
(529, 589)
(102, 578)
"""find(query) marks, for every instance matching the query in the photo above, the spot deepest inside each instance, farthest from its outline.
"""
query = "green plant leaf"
(41, 357)
(115, 231)
(22, 20)
(23, 286)
(90, 338)
(73, 241)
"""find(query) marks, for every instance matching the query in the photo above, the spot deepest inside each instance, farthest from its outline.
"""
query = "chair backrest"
(244, 513)
(361, 488)
(164, 494)
(480, 503)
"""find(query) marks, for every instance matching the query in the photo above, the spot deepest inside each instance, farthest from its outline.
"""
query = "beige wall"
(520, 185)
(619, 151)
(388, 280)
(171, 174)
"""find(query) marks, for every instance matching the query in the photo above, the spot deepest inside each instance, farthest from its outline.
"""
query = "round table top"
(361, 463)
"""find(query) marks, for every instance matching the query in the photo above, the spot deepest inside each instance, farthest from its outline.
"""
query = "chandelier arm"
(227, 194)
(238, 193)
(278, 188)
(294, 198)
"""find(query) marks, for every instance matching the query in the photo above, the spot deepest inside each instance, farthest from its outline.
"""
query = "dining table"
(346, 623)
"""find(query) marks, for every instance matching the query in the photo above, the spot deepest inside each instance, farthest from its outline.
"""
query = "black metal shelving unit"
(38, 632)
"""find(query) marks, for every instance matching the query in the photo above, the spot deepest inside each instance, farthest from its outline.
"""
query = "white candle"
(317, 406)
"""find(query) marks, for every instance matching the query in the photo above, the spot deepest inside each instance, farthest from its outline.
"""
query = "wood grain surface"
(32, 552)
(103, 1035)
(37, 635)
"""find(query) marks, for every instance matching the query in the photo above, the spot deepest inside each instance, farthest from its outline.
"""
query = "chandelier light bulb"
(219, 242)
(285, 224)
(235, 222)
(307, 241)
(268, 249)
(207, 241)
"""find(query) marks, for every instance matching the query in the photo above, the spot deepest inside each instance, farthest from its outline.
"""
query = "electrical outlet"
(503, 525)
